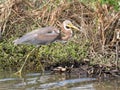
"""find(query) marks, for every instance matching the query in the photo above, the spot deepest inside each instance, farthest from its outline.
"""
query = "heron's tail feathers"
(17, 41)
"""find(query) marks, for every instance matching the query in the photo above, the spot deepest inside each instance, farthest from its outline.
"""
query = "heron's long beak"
(72, 26)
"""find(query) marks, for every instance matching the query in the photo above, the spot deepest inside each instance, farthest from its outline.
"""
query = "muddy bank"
(85, 69)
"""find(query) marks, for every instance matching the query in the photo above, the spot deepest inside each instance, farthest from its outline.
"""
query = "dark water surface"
(36, 81)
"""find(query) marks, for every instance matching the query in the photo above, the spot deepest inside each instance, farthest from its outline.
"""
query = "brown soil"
(84, 69)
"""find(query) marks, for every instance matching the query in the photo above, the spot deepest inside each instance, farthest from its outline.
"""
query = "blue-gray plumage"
(39, 36)
(46, 35)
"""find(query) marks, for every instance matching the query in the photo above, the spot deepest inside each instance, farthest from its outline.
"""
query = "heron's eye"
(49, 31)
(67, 27)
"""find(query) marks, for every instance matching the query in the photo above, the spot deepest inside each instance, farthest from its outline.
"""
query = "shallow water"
(36, 81)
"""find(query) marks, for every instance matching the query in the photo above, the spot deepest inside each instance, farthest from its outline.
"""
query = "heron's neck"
(66, 34)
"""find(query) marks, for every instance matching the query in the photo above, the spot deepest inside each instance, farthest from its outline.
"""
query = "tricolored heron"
(46, 35)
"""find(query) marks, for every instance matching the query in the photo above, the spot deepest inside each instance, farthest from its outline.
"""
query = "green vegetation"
(114, 3)
(95, 43)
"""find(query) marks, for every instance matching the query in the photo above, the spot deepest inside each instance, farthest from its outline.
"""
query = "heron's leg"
(20, 71)
(37, 57)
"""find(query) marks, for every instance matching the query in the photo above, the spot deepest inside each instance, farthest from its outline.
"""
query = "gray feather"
(38, 36)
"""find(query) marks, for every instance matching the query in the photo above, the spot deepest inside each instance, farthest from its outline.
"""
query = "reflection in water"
(84, 87)
(34, 81)
(65, 82)
(108, 85)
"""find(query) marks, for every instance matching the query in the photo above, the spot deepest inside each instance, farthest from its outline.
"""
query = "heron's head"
(68, 25)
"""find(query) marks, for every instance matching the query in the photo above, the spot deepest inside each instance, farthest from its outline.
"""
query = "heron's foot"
(18, 73)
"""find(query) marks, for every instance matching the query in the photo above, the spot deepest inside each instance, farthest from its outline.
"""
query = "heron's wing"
(40, 31)
(37, 38)
(46, 38)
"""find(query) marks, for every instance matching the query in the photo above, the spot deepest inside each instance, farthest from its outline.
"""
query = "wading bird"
(46, 35)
